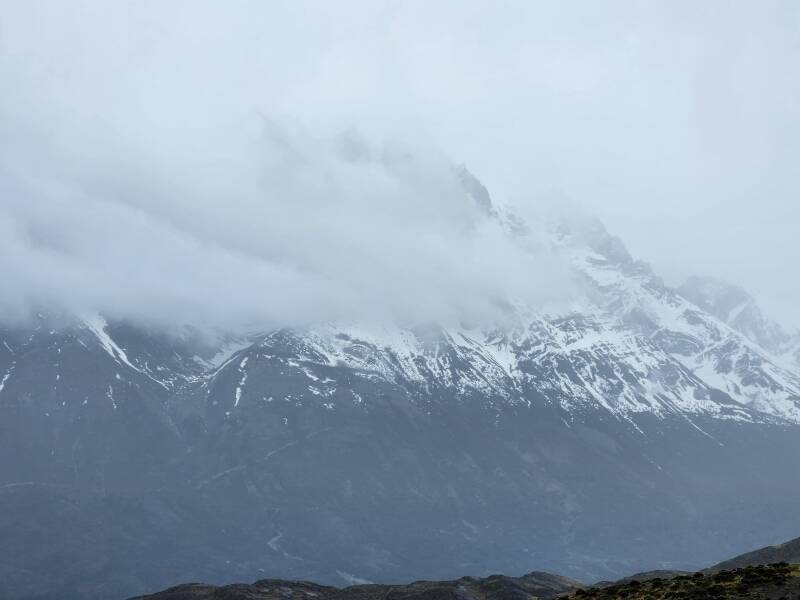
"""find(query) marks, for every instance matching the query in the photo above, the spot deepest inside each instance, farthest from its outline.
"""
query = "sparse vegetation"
(779, 581)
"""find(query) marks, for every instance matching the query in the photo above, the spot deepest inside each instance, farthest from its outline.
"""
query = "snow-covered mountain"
(627, 345)
(569, 438)
(735, 307)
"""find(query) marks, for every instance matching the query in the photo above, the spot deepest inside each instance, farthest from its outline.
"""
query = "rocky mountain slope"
(788, 552)
(567, 438)
(738, 309)
(768, 582)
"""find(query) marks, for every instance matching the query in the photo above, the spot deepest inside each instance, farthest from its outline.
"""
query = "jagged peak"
(592, 232)
(736, 307)
(475, 189)
(715, 295)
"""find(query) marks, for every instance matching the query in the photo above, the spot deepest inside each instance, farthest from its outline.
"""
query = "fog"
(247, 162)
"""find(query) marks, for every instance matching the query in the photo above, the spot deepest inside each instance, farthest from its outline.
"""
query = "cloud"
(672, 121)
(251, 226)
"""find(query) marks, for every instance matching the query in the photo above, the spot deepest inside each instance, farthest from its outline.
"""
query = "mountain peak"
(734, 306)
(475, 189)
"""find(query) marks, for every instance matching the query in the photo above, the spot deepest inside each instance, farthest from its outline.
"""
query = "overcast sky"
(678, 123)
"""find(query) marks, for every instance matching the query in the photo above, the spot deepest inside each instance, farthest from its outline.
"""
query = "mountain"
(738, 309)
(788, 552)
(568, 438)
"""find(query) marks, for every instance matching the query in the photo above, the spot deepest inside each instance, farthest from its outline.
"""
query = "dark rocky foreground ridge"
(533, 585)
(770, 582)
(788, 552)
(777, 581)
(762, 574)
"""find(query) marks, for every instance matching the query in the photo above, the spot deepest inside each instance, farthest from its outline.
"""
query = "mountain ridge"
(536, 584)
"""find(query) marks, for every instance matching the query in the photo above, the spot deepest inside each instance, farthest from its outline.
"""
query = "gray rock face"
(630, 430)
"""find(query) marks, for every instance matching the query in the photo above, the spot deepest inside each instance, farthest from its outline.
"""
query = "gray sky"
(678, 123)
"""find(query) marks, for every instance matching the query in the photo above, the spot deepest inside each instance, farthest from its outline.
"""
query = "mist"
(279, 165)
(284, 230)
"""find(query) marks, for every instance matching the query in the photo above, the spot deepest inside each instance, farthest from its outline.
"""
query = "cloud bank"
(238, 223)
(675, 122)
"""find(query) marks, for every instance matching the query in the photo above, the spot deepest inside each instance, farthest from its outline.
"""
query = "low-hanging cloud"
(234, 224)
(180, 126)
